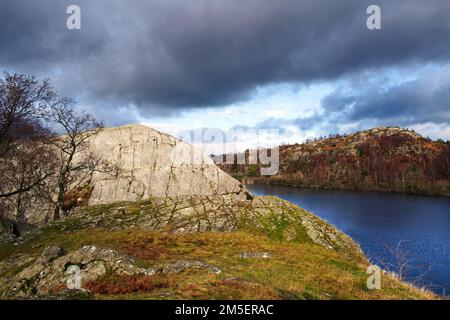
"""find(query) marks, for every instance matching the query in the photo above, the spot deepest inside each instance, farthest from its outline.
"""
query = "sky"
(283, 70)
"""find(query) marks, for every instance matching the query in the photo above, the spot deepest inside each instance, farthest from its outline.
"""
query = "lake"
(380, 221)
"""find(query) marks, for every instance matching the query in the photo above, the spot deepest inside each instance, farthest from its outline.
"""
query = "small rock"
(215, 270)
(328, 295)
(254, 255)
(90, 249)
(51, 253)
(180, 230)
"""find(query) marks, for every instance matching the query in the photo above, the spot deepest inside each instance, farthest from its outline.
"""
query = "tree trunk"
(62, 183)
(60, 199)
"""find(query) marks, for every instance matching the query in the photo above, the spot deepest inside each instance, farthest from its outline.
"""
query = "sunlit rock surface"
(154, 164)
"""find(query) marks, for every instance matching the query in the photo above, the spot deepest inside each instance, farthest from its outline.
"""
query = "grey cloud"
(164, 55)
(425, 99)
(304, 123)
(274, 124)
(364, 103)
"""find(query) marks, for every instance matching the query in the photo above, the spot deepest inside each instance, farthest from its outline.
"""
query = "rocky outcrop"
(49, 274)
(151, 163)
(193, 214)
(390, 159)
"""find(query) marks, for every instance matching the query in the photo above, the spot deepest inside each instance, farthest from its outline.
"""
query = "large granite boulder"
(152, 163)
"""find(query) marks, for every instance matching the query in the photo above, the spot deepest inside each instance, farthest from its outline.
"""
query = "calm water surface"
(379, 221)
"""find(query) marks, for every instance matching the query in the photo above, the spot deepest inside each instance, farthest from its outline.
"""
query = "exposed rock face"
(51, 253)
(154, 164)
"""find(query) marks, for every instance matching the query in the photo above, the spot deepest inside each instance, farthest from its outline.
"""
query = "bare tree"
(28, 174)
(77, 128)
(21, 100)
(26, 160)
(28, 168)
(403, 265)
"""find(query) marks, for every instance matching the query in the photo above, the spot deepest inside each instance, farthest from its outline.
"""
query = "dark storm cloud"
(162, 55)
(425, 99)
(33, 36)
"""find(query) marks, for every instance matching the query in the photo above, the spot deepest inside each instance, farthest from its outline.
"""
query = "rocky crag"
(388, 159)
(154, 164)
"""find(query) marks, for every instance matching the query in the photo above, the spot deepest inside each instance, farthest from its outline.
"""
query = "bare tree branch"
(77, 128)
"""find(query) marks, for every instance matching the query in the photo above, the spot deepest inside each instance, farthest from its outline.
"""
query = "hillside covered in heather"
(388, 159)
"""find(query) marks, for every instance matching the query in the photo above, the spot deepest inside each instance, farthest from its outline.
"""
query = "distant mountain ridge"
(389, 159)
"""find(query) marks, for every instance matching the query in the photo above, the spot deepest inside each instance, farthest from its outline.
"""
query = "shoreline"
(250, 181)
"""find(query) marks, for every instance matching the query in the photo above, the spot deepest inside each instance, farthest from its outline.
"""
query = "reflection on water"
(378, 221)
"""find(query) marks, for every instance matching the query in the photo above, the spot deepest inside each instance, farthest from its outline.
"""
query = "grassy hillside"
(193, 248)
(382, 159)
